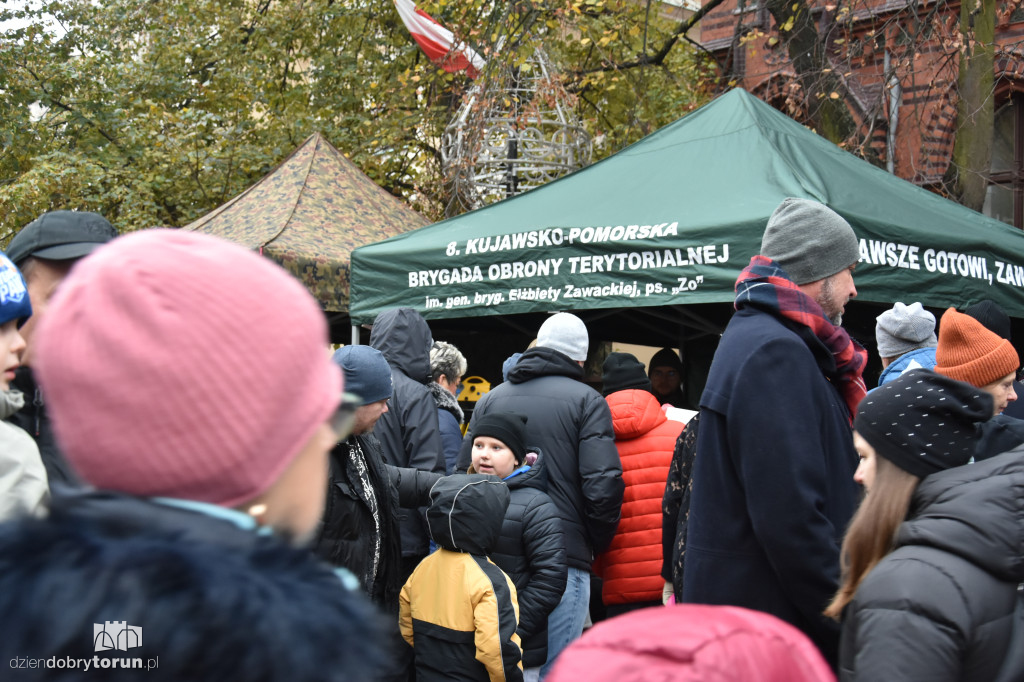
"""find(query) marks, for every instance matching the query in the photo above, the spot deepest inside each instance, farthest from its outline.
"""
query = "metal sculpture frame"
(514, 131)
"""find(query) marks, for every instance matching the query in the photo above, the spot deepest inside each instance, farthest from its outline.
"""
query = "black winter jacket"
(34, 419)
(348, 534)
(531, 550)
(408, 432)
(999, 434)
(572, 424)
(938, 608)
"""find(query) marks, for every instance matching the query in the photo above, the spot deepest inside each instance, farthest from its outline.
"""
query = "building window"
(1004, 199)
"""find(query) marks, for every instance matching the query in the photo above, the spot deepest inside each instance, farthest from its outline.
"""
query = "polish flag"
(437, 42)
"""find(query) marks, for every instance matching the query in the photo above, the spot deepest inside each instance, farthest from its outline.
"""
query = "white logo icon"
(116, 634)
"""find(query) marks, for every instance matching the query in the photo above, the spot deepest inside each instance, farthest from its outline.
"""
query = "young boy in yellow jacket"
(458, 610)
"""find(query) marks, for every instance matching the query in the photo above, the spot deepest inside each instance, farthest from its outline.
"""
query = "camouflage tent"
(308, 214)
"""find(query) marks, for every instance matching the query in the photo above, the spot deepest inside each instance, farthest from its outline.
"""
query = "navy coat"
(773, 487)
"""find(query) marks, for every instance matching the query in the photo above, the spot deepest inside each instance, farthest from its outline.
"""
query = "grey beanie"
(904, 328)
(565, 333)
(367, 373)
(809, 240)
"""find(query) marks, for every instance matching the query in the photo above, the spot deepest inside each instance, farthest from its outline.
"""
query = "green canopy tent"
(672, 219)
(307, 215)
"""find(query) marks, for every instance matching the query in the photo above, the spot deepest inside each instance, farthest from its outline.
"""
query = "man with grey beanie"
(773, 485)
(572, 424)
(905, 336)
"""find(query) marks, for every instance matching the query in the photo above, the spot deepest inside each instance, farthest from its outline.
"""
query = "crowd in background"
(180, 453)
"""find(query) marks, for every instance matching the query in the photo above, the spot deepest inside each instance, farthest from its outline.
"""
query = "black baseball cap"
(61, 235)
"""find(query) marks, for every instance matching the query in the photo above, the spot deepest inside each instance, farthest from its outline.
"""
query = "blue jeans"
(565, 623)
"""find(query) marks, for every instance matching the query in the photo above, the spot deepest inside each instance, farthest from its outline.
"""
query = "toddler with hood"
(458, 610)
(23, 483)
(531, 548)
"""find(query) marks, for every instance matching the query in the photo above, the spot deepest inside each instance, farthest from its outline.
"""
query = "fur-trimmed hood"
(446, 401)
(213, 600)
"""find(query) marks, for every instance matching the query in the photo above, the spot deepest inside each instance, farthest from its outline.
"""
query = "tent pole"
(355, 335)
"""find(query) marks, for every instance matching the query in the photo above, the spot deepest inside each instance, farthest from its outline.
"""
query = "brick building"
(898, 63)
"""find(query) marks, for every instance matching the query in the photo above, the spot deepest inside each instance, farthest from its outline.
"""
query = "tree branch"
(658, 57)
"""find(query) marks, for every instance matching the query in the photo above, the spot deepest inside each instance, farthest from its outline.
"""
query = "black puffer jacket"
(408, 432)
(532, 551)
(572, 424)
(938, 608)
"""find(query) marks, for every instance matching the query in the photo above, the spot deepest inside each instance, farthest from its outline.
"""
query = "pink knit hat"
(177, 364)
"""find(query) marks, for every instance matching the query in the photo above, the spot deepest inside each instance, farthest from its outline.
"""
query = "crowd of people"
(183, 456)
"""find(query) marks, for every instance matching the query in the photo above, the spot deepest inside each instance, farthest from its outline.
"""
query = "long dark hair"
(873, 529)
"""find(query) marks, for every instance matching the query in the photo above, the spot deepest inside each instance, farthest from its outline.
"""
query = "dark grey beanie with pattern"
(923, 422)
(809, 240)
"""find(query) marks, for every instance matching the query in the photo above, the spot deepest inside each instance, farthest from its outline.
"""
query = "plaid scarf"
(766, 286)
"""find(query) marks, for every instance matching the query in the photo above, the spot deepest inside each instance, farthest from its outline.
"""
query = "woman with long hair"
(933, 557)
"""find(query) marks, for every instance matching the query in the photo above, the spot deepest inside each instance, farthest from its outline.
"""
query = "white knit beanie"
(565, 333)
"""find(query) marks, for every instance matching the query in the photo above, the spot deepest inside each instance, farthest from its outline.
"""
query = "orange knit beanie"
(969, 352)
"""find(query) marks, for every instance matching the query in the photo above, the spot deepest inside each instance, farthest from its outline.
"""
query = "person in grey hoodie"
(408, 432)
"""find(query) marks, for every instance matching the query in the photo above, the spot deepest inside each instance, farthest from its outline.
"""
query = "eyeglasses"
(344, 417)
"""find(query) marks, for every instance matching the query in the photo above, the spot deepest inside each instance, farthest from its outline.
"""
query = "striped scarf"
(765, 286)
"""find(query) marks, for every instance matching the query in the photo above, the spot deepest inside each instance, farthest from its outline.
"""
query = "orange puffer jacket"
(645, 438)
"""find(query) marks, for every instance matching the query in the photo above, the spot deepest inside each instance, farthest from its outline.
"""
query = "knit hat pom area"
(923, 422)
(178, 364)
(967, 351)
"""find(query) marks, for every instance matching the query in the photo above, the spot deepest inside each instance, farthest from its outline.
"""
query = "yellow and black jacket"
(458, 610)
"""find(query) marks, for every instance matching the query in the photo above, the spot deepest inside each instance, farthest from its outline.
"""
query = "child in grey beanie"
(906, 340)
(904, 328)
